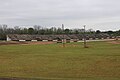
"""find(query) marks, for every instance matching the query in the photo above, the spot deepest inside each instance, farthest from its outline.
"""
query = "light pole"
(63, 41)
(85, 45)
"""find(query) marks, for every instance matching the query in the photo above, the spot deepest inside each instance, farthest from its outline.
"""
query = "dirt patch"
(11, 43)
(23, 43)
(34, 43)
(114, 42)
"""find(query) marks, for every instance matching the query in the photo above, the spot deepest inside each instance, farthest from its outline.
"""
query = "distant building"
(57, 38)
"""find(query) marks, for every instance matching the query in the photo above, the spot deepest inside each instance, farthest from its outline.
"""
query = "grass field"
(101, 61)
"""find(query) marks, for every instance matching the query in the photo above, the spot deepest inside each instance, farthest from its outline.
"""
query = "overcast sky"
(96, 14)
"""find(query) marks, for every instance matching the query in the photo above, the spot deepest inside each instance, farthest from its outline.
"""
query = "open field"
(101, 61)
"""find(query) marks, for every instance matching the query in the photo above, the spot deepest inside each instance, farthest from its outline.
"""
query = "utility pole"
(85, 45)
(53, 33)
(63, 41)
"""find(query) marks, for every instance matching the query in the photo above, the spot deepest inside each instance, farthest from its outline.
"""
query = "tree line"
(38, 30)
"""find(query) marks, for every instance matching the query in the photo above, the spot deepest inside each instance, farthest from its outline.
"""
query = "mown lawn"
(101, 61)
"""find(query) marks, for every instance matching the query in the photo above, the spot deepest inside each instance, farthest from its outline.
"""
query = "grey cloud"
(56, 12)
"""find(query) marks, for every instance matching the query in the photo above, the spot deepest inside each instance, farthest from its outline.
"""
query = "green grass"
(101, 61)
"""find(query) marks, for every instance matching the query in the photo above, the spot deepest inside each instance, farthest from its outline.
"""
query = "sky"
(95, 14)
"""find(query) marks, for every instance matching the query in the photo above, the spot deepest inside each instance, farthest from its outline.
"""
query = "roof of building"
(53, 37)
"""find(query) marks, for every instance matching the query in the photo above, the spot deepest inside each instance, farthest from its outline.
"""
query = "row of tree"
(36, 29)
